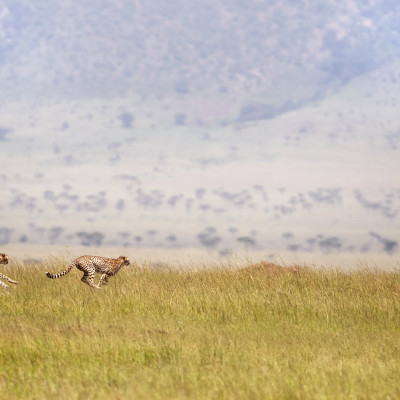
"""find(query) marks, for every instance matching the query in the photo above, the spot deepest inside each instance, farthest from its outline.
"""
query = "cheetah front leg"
(88, 278)
(103, 280)
(3, 284)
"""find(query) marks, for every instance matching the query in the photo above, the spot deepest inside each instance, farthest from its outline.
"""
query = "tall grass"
(250, 333)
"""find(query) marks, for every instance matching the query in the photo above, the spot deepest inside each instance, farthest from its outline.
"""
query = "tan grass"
(262, 331)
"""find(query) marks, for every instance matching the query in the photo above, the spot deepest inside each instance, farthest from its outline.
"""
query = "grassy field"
(257, 332)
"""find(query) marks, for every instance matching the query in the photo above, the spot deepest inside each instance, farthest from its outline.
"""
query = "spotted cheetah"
(90, 264)
(4, 260)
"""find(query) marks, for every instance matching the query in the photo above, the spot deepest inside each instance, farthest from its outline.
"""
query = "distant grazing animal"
(4, 260)
(90, 264)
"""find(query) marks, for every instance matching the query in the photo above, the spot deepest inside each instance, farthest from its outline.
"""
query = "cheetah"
(4, 260)
(90, 264)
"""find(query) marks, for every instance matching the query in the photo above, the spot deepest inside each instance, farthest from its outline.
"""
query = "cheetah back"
(101, 265)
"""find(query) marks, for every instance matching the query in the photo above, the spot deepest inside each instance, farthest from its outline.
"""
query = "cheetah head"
(124, 260)
(3, 258)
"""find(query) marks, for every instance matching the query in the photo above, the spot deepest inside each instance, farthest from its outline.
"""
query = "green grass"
(247, 333)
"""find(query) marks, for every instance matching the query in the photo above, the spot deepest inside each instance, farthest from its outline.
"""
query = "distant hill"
(106, 172)
(270, 56)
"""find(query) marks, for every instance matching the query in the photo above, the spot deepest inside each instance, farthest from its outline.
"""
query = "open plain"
(254, 330)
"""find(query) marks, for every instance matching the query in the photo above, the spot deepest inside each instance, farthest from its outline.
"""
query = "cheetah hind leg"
(103, 280)
(8, 279)
(89, 280)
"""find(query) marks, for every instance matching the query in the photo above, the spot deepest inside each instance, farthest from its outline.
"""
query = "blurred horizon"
(268, 126)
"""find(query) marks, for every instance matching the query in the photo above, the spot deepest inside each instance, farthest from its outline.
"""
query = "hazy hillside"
(269, 55)
(322, 178)
(221, 125)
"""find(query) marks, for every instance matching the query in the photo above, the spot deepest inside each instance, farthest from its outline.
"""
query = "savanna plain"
(249, 332)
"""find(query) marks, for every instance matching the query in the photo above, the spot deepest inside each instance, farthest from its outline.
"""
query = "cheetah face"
(3, 258)
(125, 260)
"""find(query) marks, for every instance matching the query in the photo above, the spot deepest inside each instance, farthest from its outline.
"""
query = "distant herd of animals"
(89, 265)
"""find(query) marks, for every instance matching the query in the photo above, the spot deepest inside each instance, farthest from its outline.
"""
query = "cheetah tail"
(51, 276)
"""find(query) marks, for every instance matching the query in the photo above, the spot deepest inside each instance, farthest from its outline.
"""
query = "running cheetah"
(90, 264)
(4, 260)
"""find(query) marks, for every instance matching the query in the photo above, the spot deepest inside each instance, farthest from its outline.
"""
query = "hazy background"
(222, 125)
